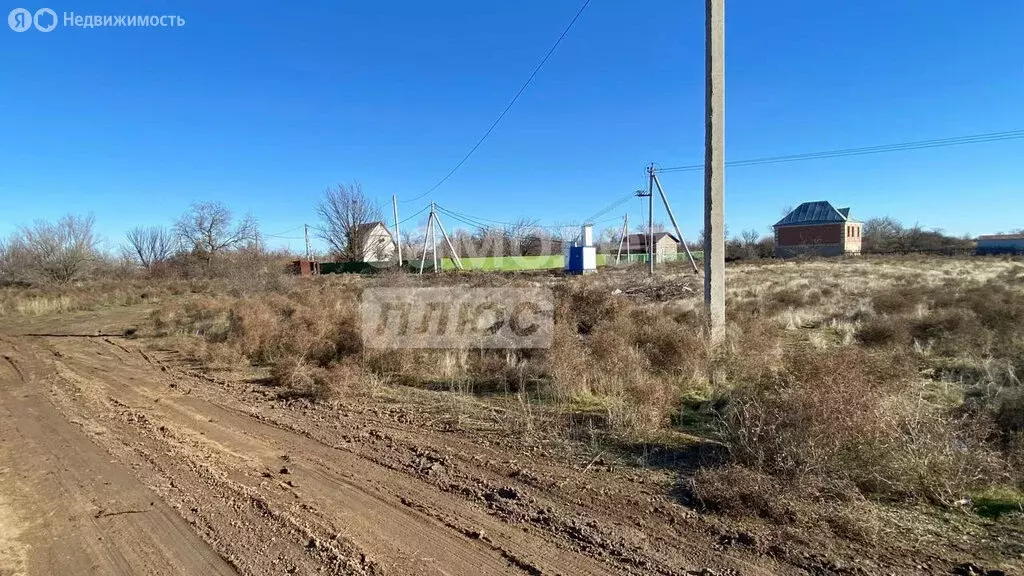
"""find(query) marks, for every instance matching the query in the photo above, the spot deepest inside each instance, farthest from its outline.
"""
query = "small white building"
(375, 242)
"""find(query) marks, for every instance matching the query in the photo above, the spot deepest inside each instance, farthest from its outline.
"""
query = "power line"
(281, 234)
(481, 222)
(422, 210)
(615, 204)
(507, 108)
(884, 148)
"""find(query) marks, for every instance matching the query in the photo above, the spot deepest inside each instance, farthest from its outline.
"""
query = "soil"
(119, 458)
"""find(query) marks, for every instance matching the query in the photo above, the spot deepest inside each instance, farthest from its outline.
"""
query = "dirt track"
(118, 459)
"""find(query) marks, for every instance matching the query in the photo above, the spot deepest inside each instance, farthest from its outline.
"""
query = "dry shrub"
(953, 332)
(271, 329)
(397, 364)
(902, 299)
(792, 298)
(1009, 412)
(740, 491)
(846, 416)
(634, 362)
(197, 316)
(883, 331)
(671, 346)
(300, 379)
(752, 351)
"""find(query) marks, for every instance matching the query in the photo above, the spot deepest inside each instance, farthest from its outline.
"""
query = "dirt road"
(117, 459)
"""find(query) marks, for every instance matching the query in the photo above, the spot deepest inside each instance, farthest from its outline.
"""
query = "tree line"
(199, 242)
(210, 240)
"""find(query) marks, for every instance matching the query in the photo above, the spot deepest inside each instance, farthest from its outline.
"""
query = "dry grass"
(922, 403)
(839, 382)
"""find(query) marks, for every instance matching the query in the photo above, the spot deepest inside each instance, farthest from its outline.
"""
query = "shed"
(666, 245)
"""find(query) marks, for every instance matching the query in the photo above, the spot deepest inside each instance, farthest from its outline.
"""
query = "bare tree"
(148, 245)
(883, 235)
(342, 210)
(207, 228)
(15, 264)
(750, 237)
(521, 237)
(58, 251)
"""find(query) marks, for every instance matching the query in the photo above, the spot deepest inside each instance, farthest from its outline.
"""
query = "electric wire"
(488, 223)
(508, 107)
(879, 149)
(424, 209)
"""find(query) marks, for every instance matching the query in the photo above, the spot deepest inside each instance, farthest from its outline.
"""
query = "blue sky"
(262, 107)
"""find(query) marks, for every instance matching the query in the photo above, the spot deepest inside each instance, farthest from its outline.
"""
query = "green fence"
(639, 258)
(504, 263)
(496, 263)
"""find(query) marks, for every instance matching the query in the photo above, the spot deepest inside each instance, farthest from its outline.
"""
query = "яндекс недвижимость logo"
(46, 19)
(21, 19)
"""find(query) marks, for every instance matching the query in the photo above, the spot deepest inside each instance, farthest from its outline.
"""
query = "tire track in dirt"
(592, 531)
(340, 490)
(55, 485)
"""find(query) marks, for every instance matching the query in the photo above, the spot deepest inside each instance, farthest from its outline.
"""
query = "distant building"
(1000, 244)
(305, 267)
(666, 245)
(817, 229)
(374, 241)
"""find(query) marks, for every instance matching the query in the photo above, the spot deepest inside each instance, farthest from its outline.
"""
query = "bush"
(883, 331)
(845, 416)
(635, 362)
(898, 299)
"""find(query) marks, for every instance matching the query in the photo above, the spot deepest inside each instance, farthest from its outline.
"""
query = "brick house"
(666, 245)
(817, 229)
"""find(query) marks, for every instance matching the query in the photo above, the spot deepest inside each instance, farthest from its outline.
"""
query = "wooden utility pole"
(714, 167)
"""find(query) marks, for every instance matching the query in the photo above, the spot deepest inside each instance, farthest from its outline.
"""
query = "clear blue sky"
(261, 107)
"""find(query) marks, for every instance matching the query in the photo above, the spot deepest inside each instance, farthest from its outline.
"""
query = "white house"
(375, 242)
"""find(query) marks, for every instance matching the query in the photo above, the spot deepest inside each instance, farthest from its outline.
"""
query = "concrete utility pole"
(672, 217)
(398, 233)
(650, 221)
(433, 238)
(627, 227)
(714, 168)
